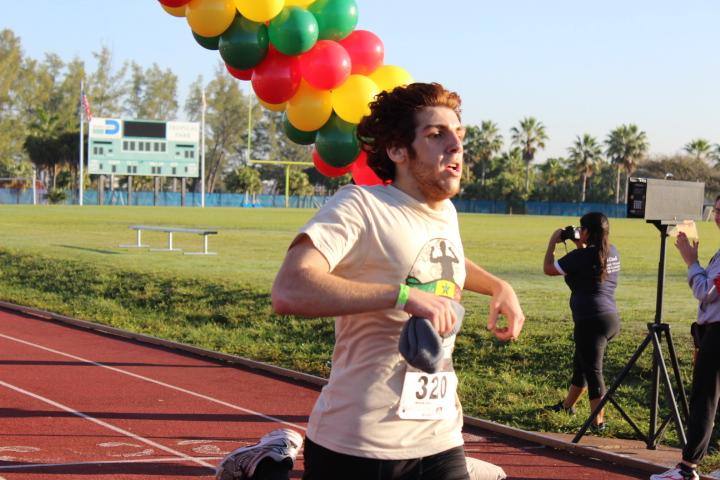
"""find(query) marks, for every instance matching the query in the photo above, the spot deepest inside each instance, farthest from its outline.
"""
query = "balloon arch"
(304, 58)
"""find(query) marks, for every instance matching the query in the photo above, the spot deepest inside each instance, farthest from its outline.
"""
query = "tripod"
(659, 371)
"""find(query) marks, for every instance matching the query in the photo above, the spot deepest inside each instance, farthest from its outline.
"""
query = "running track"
(78, 404)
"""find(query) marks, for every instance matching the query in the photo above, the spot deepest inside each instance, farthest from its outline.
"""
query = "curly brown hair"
(391, 123)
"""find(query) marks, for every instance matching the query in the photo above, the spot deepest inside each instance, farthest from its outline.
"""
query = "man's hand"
(437, 309)
(505, 302)
(688, 252)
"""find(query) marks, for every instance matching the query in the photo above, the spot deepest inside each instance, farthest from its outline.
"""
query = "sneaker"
(598, 428)
(714, 474)
(677, 473)
(558, 407)
(279, 445)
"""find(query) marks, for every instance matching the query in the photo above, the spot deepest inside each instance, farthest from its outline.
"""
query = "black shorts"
(324, 464)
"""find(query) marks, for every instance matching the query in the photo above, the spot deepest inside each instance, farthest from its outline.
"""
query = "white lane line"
(109, 426)
(157, 382)
(108, 462)
(19, 449)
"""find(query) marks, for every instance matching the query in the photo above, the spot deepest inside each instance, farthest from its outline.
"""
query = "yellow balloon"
(351, 99)
(309, 108)
(210, 18)
(387, 77)
(174, 11)
(259, 10)
(273, 107)
(298, 3)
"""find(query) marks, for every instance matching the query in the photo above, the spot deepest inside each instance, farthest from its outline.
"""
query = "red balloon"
(174, 3)
(366, 51)
(362, 174)
(325, 66)
(239, 73)
(277, 78)
(326, 169)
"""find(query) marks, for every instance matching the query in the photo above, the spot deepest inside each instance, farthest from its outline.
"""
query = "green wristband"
(403, 296)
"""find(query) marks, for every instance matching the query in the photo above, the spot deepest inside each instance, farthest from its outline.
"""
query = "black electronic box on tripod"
(663, 203)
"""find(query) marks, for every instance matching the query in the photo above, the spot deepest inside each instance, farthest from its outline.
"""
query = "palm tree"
(553, 172)
(585, 155)
(43, 131)
(699, 148)
(530, 136)
(715, 155)
(481, 144)
(625, 146)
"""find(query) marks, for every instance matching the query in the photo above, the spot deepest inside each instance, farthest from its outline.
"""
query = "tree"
(225, 122)
(585, 155)
(42, 144)
(11, 58)
(480, 145)
(244, 179)
(15, 77)
(299, 183)
(66, 96)
(53, 151)
(715, 156)
(529, 136)
(626, 145)
(53, 114)
(506, 185)
(271, 143)
(327, 185)
(106, 88)
(152, 93)
(555, 181)
(683, 167)
(699, 148)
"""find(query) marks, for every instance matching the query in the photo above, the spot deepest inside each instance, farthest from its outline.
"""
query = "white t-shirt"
(380, 234)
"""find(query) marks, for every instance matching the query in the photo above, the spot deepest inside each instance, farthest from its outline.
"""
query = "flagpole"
(202, 150)
(82, 147)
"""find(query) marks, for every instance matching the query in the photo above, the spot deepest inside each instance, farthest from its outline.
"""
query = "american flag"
(86, 106)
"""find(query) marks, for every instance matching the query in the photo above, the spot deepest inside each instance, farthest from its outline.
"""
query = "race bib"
(431, 396)
(427, 396)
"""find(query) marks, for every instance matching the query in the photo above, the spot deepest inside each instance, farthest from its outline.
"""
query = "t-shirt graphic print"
(435, 269)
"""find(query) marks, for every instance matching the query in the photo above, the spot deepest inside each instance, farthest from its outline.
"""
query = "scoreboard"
(143, 147)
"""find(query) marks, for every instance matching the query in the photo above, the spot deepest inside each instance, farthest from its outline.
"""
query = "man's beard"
(433, 188)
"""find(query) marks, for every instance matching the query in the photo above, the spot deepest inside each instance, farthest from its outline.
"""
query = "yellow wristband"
(403, 296)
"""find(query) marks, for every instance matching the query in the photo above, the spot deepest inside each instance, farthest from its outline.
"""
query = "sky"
(577, 66)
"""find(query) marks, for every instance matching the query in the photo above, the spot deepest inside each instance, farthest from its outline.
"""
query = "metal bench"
(170, 230)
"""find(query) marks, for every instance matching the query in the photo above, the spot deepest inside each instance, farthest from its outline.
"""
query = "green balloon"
(336, 18)
(337, 142)
(293, 31)
(211, 43)
(244, 44)
(297, 136)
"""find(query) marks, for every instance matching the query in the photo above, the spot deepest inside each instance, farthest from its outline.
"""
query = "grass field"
(67, 259)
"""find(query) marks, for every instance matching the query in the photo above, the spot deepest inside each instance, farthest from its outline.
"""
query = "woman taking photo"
(591, 272)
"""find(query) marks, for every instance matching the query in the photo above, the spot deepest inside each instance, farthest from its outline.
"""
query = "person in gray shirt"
(706, 374)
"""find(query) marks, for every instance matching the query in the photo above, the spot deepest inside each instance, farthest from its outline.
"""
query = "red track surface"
(79, 404)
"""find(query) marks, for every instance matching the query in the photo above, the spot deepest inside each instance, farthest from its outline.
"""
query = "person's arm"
(504, 300)
(305, 286)
(549, 267)
(698, 278)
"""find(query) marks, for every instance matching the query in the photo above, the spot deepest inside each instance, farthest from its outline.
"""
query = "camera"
(570, 232)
